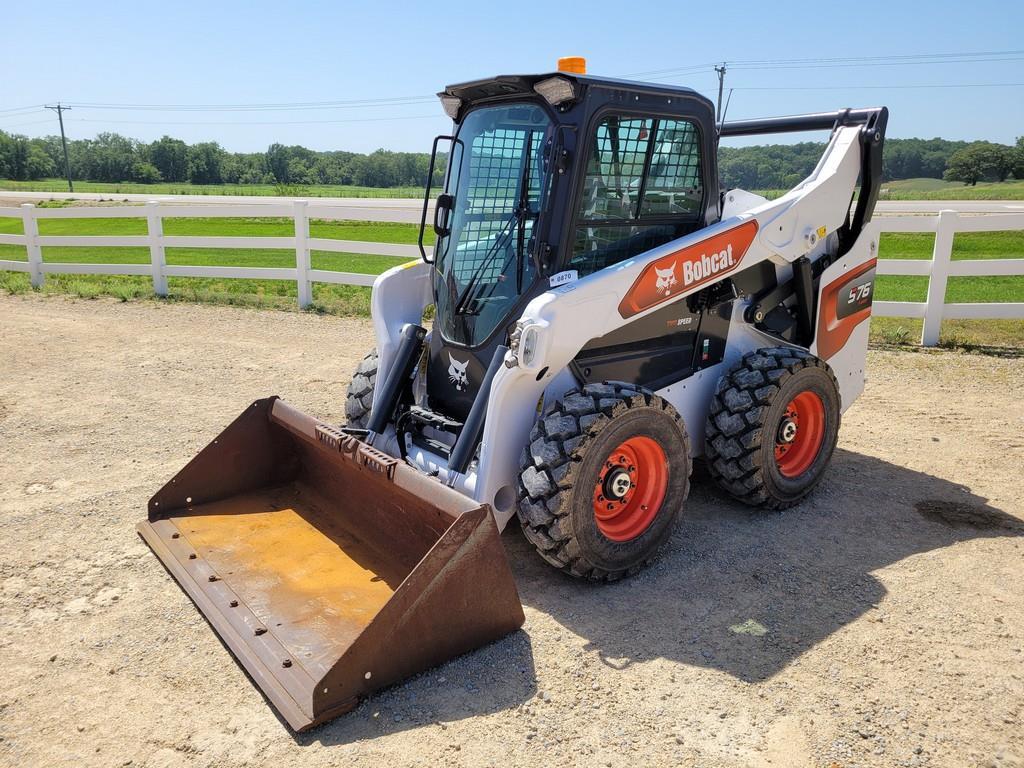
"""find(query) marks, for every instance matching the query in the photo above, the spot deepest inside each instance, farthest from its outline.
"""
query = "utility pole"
(61, 109)
(721, 83)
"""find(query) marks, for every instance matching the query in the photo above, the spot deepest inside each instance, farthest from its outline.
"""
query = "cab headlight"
(526, 345)
(529, 345)
(556, 90)
(451, 105)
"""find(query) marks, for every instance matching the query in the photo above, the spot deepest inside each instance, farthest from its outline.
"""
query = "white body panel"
(566, 318)
(399, 297)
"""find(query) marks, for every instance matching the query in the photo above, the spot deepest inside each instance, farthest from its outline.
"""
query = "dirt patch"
(849, 630)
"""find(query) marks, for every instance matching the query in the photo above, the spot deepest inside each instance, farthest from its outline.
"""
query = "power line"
(836, 65)
(271, 107)
(31, 122)
(846, 61)
(710, 68)
(19, 111)
(888, 57)
(420, 117)
(253, 122)
(669, 73)
(677, 70)
(873, 87)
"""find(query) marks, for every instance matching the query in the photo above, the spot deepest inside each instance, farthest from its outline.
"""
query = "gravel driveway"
(879, 623)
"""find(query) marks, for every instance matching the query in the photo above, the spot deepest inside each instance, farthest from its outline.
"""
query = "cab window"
(642, 188)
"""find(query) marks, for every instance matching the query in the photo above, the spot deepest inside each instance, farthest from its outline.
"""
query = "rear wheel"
(773, 426)
(603, 480)
(359, 397)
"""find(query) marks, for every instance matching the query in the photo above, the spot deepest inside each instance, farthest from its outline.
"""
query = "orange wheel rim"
(630, 488)
(800, 435)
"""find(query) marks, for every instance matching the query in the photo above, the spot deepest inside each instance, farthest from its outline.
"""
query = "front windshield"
(497, 179)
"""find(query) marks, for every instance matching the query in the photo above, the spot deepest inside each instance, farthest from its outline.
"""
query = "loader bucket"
(328, 568)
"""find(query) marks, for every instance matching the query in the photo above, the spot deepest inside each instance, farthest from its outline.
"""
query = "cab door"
(643, 186)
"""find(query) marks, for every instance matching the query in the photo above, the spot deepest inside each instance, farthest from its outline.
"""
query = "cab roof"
(517, 85)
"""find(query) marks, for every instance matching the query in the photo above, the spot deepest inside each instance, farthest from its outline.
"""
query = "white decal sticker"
(707, 266)
(568, 276)
(457, 372)
(666, 279)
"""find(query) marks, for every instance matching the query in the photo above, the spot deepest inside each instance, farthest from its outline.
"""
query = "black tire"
(563, 463)
(359, 397)
(746, 424)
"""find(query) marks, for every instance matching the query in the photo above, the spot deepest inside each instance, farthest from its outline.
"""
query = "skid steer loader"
(603, 315)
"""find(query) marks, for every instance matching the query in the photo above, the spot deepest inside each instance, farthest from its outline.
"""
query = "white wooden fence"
(155, 212)
(938, 269)
(941, 267)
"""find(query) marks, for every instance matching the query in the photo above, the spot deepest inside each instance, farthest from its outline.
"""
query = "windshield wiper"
(518, 216)
(506, 229)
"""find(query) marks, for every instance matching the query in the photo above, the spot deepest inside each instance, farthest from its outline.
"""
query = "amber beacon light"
(573, 65)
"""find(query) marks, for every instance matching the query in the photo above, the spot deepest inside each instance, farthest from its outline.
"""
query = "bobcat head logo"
(666, 279)
(457, 372)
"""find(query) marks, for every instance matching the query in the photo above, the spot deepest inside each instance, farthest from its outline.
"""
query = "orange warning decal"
(689, 267)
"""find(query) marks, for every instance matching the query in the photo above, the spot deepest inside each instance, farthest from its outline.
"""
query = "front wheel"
(772, 427)
(604, 480)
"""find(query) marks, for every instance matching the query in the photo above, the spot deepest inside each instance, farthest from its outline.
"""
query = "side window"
(615, 169)
(673, 180)
(642, 189)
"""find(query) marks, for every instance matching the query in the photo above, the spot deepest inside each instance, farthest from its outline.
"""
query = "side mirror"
(426, 197)
(442, 214)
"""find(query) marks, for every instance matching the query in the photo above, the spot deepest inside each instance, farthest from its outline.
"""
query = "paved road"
(961, 206)
(365, 208)
(409, 210)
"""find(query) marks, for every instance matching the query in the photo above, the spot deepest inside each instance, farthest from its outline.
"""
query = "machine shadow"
(747, 592)
(737, 590)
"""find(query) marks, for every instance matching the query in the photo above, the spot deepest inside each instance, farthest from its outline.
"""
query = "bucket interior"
(289, 555)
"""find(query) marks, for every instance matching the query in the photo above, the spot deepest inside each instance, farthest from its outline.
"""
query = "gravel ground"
(879, 623)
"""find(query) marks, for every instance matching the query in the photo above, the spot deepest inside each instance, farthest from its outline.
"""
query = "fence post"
(942, 254)
(156, 247)
(35, 253)
(302, 265)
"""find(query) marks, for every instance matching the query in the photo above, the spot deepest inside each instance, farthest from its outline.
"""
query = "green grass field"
(937, 189)
(184, 188)
(337, 299)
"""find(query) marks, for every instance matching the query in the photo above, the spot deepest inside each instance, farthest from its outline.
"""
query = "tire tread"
(735, 425)
(359, 396)
(548, 466)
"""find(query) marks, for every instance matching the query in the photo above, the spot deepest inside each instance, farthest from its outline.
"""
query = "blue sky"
(228, 53)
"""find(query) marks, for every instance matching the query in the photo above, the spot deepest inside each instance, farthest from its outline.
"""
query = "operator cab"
(552, 174)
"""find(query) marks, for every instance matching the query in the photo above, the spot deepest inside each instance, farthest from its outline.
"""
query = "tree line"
(782, 166)
(111, 157)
